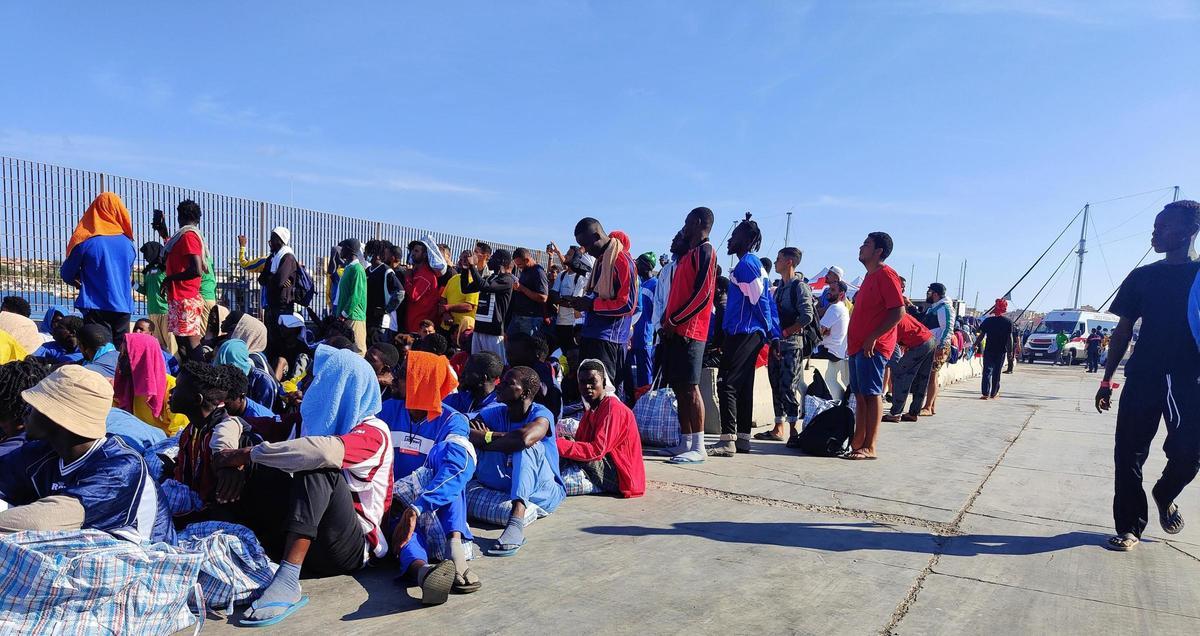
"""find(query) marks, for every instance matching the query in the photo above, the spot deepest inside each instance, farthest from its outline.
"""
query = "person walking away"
(1094, 341)
(911, 372)
(939, 319)
(155, 294)
(1160, 377)
(571, 283)
(278, 280)
(640, 365)
(352, 293)
(187, 258)
(99, 262)
(384, 294)
(530, 294)
(687, 317)
(794, 302)
(495, 296)
(835, 322)
(871, 337)
(750, 321)
(611, 298)
(995, 334)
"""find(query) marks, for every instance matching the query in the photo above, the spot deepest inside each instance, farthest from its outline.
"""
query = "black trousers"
(117, 323)
(993, 364)
(1144, 401)
(735, 381)
(612, 354)
(315, 504)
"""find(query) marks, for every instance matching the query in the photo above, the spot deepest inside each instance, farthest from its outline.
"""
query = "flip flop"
(678, 459)
(1170, 519)
(1122, 542)
(291, 609)
(768, 436)
(506, 549)
(857, 456)
(470, 583)
(927, 413)
(435, 587)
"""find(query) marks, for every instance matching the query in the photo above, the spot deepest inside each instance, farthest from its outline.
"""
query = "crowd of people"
(431, 389)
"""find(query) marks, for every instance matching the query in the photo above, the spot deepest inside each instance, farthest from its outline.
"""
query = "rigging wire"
(1039, 292)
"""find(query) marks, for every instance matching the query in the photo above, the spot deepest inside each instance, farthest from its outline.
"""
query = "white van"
(1076, 323)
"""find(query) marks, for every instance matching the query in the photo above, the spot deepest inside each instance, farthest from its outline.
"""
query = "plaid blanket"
(234, 568)
(495, 507)
(89, 582)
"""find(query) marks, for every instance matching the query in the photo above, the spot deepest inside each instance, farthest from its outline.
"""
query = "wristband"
(487, 437)
(1106, 384)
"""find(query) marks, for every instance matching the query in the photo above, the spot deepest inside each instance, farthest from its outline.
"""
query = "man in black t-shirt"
(1161, 377)
(495, 295)
(996, 334)
(529, 295)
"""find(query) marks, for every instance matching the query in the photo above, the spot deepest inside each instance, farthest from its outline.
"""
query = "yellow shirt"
(454, 295)
(169, 422)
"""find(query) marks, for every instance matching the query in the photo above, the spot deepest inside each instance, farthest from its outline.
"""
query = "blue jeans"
(993, 365)
(526, 476)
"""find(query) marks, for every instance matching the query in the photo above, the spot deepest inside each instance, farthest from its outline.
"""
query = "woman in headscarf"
(142, 384)
(152, 288)
(340, 484)
(98, 262)
(605, 454)
(279, 280)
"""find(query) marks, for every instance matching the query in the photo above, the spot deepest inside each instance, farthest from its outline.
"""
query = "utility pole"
(1081, 251)
(976, 302)
(788, 231)
(938, 271)
(1176, 197)
(912, 272)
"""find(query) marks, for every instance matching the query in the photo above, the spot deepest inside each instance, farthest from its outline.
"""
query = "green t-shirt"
(208, 283)
(151, 288)
(352, 292)
(1061, 340)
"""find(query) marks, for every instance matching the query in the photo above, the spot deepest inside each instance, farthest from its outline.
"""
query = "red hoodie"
(611, 430)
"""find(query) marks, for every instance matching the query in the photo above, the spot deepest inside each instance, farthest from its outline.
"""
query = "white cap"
(841, 273)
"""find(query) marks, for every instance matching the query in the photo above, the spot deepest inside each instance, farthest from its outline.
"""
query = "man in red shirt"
(911, 370)
(685, 330)
(185, 264)
(421, 291)
(871, 338)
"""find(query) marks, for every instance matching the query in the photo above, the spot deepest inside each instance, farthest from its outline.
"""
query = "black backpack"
(829, 433)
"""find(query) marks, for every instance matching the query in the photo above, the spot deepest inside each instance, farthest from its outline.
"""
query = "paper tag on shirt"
(411, 444)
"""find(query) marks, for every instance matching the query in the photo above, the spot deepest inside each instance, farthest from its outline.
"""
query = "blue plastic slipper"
(505, 549)
(291, 609)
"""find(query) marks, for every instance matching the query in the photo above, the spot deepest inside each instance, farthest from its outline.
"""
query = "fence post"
(102, 188)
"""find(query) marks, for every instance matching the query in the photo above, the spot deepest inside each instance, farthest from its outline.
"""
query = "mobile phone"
(159, 218)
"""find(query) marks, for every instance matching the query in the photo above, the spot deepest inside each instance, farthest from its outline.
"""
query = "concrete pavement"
(987, 518)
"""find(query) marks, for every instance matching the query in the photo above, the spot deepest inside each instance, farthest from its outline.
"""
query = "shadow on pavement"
(850, 537)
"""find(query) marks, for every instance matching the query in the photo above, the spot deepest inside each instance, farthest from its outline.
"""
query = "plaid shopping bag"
(90, 582)
(657, 415)
(566, 426)
(577, 482)
(234, 568)
(180, 498)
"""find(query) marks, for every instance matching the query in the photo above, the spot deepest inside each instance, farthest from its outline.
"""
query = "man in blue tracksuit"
(639, 367)
(751, 320)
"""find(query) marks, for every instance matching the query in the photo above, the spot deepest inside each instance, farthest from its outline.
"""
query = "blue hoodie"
(103, 265)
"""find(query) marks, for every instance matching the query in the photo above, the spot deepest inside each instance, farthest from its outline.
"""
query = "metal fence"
(43, 202)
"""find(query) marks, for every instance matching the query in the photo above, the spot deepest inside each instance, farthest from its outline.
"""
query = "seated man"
(237, 403)
(201, 393)
(383, 358)
(607, 448)
(477, 386)
(518, 455)
(261, 390)
(64, 348)
(71, 475)
(437, 473)
(525, 350)
(99, 353)
(330, 487)
(16, 376)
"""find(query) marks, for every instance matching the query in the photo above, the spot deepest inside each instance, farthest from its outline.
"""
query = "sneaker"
(894, 419)
(721, 449)
(742, 445)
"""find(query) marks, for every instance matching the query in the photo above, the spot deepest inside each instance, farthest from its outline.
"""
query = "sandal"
(857, 455)
(1122, 542)
(466, 583)
(769, 436)
(1170, 518)
(927, 413)
(436, 585)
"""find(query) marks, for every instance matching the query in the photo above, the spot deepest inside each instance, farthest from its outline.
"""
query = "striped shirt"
(367, 468)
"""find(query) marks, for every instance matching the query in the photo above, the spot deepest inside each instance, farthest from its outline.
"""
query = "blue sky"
(973, 128)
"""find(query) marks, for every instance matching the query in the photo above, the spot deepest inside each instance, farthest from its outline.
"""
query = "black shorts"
(681, 360)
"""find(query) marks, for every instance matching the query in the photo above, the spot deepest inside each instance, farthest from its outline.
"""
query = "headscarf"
(106, 216)
(10, 349)
(47, 325)
(592, 364)
(147, 375)
(1001, 307)
(234, 351)
(154, 253)
(428, 381)
(437, 261)
(284, 235)
(621, 236)
(205, 257)
(603, 279)
(251, 331)
(344, 392)
(22, 329)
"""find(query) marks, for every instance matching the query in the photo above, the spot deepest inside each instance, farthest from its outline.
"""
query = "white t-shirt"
(569, 284)
(837, 320)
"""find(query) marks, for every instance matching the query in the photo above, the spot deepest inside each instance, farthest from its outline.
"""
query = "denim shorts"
(866, 374)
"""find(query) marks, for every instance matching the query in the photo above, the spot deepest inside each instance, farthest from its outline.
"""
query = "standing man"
(571, 283)
(278, 280)
(996, 334)
(530, 293)
(99, 262)
(1160, 378)
(879, 306)
(794, 302)
(939, 319)
(611, 298)
(834, 325)
(750, 322)
(352, 293)
(1093, 350)
(1060, 348)
(457, 304)
(495, 296)
(384, 294)
(640, 365)
(421, 291)
(187, 258)
(911, 371)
